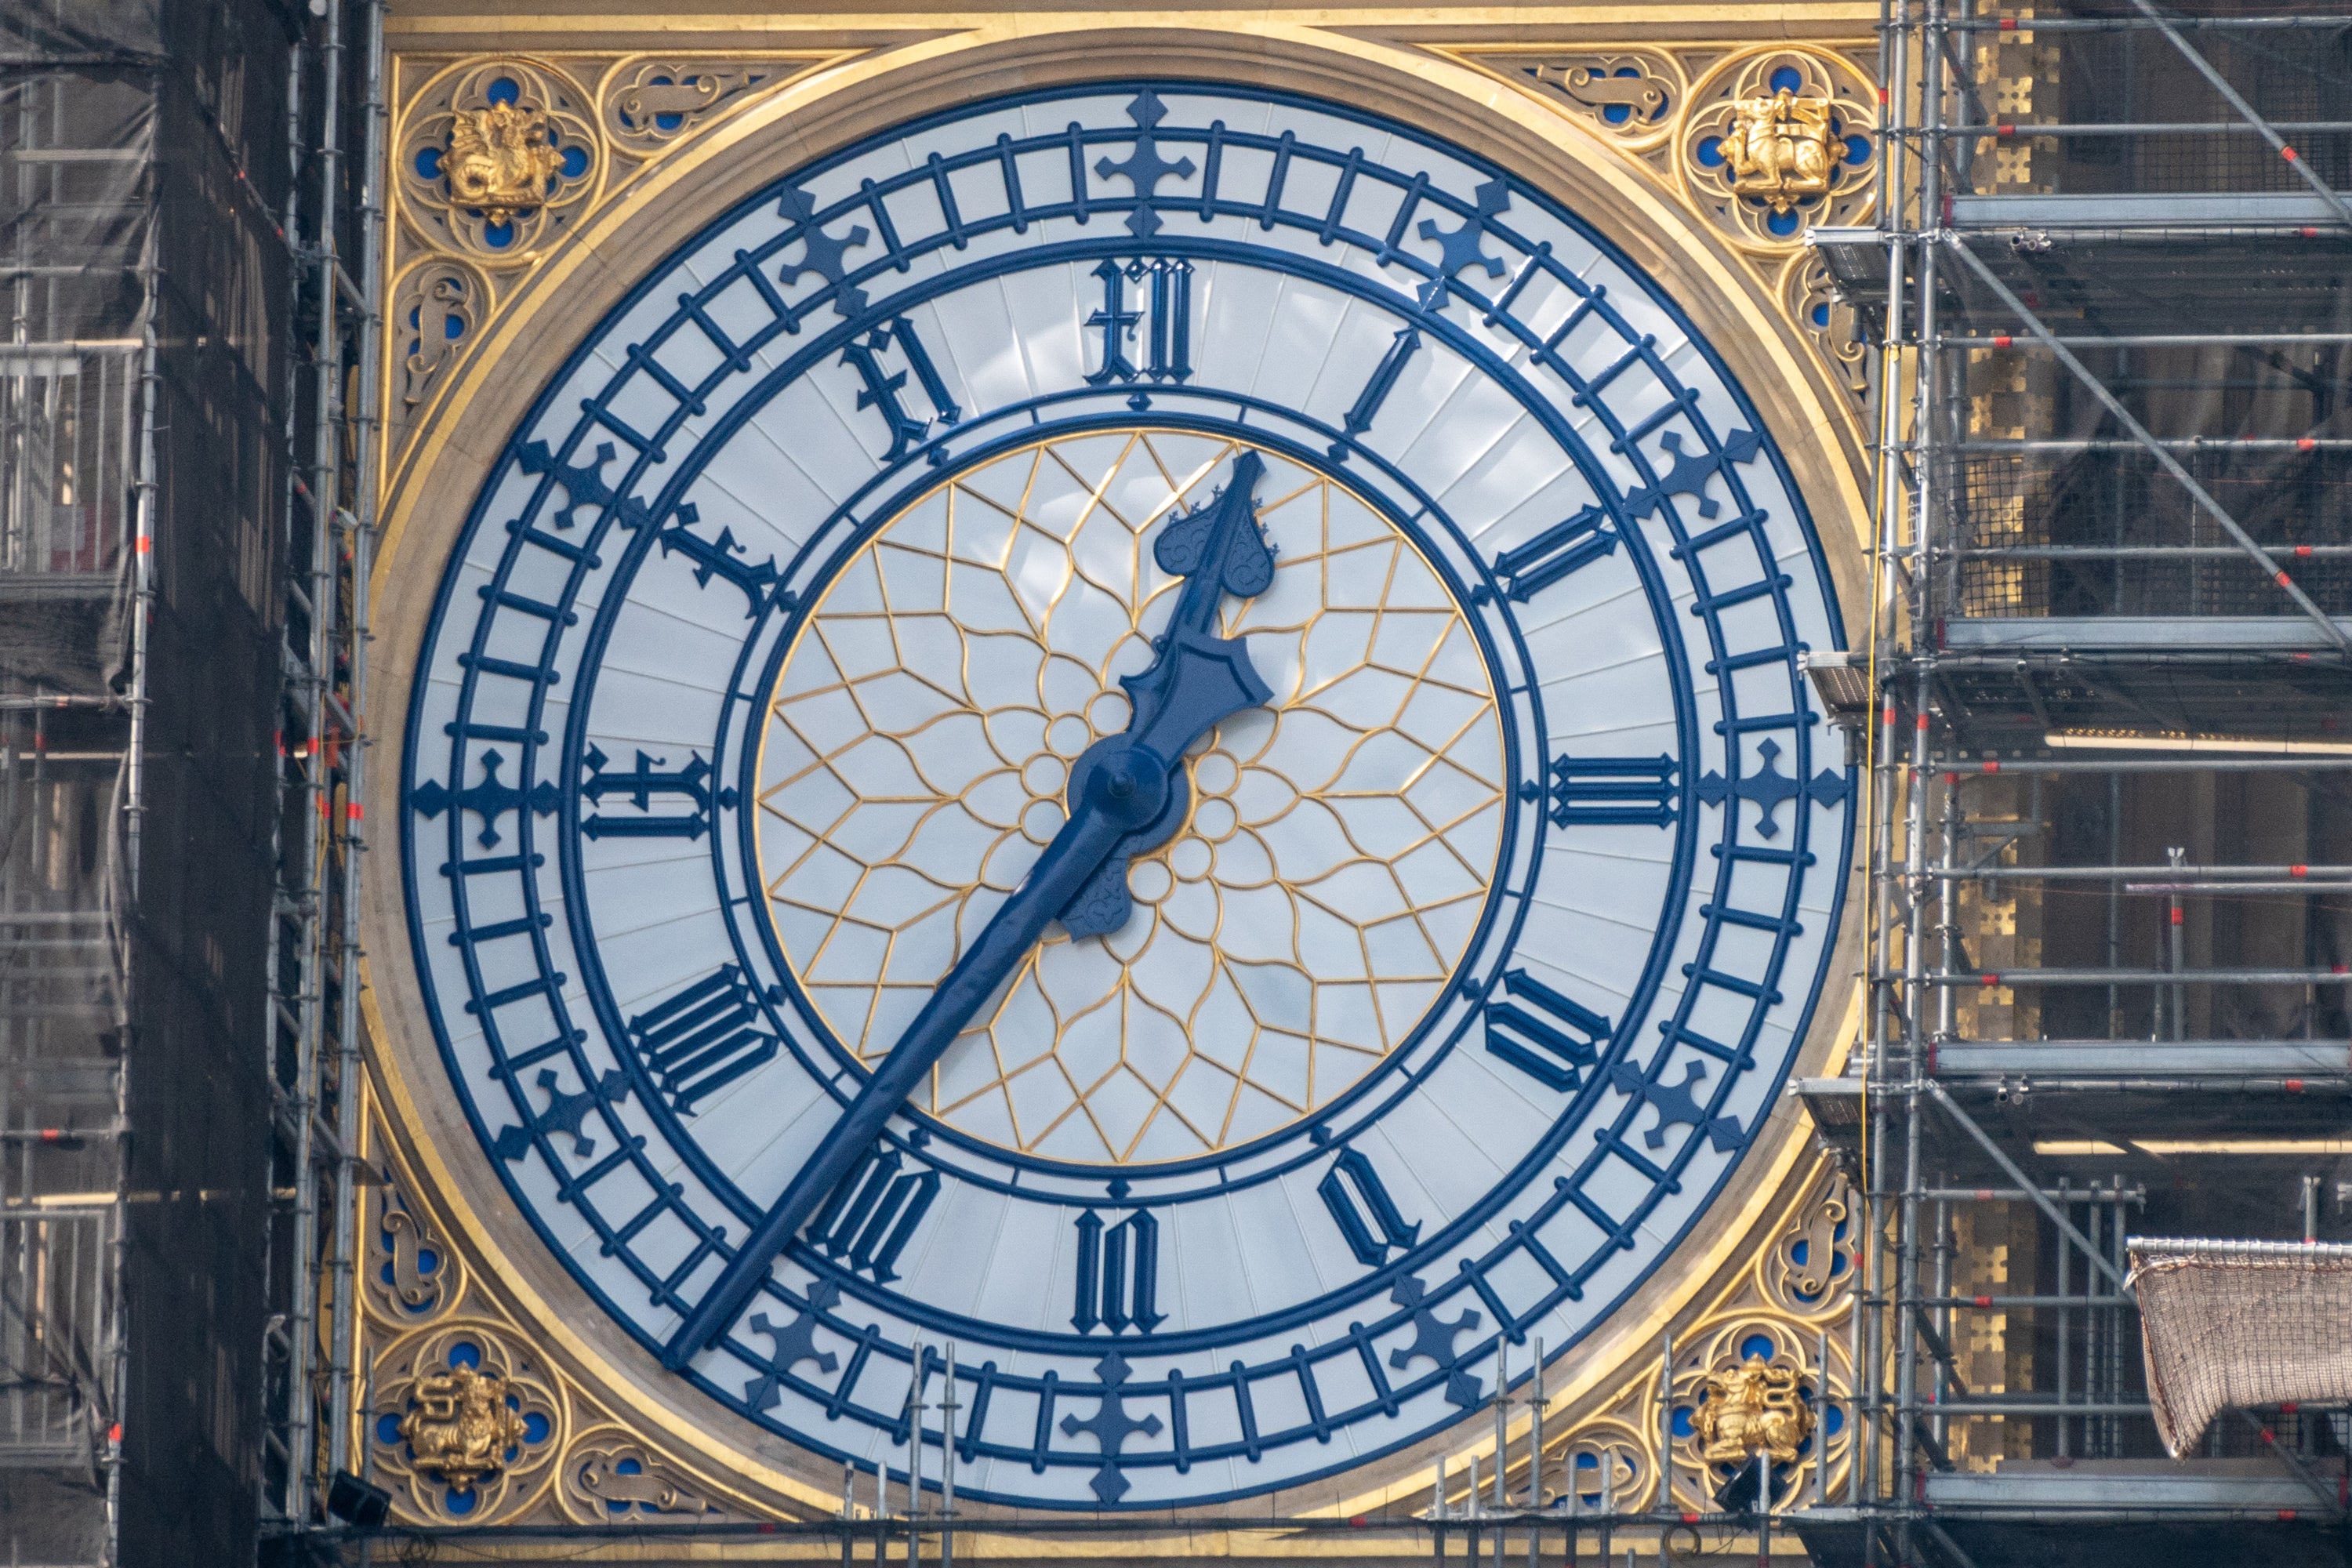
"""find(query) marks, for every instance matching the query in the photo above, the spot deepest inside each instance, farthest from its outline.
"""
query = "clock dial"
(793, 625)
(1315, 901)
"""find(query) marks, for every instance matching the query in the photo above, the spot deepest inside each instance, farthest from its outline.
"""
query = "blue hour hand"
(1128, 794)
(1198, 680)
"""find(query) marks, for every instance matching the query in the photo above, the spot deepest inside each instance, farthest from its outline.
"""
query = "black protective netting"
(2123, 500)
(72, 28)
(141, 155)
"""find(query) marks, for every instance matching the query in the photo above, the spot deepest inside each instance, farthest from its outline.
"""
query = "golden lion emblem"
(1753, 1407)
(500, 160)
(1778, 148)
(460, 1426)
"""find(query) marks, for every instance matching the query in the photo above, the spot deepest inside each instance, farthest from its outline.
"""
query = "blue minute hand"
(1127, 795)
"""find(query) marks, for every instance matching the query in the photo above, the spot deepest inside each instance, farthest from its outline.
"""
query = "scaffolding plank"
(2166, 1059)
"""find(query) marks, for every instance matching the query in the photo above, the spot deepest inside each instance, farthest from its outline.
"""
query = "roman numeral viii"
(874, 1213)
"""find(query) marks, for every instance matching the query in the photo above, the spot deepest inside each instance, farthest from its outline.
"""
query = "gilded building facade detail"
(496, 158)
(468, 1418)
(1631, 96)
(1765, 1364)
(1756, 1407)
(1764, 143)
(1775, 142)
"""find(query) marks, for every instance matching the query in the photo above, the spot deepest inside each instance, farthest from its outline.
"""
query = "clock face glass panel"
(1303, 921)
(760, 678)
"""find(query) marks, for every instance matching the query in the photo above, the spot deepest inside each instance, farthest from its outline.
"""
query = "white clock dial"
(759, 687)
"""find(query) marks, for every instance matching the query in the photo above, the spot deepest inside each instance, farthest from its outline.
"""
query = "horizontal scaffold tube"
(2133, 551)
(2339, 976)
(2201, 762)
(2003, 130)
(2120, 873)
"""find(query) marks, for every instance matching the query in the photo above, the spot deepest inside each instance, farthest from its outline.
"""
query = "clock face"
(781, 643)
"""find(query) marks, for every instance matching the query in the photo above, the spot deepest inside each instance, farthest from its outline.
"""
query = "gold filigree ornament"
(495, 158)
(1631, 96)
(649, 104)
(414, 1275)
(1828, 321)
(437, 307)
(1777, 140)
(611, 1478)
(466, 1422)
(1812, 1263)
(1607, 1463)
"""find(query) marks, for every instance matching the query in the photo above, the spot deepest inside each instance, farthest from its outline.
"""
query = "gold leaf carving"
(465, 1422)
(1777, 141)
(458, 1427)
(611, 1478)
(497, 159)
(1754, 1407)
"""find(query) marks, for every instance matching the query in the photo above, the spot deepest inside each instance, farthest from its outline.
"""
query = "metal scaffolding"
(2105, 684)
(332, 224)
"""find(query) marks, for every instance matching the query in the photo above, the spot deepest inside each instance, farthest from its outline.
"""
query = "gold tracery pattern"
(1340, 844)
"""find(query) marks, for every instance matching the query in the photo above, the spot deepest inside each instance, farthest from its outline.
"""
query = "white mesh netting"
(2228, 1324)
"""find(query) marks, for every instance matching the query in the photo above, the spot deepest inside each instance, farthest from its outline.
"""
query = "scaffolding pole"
(1952, 297)
(312, 1352)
